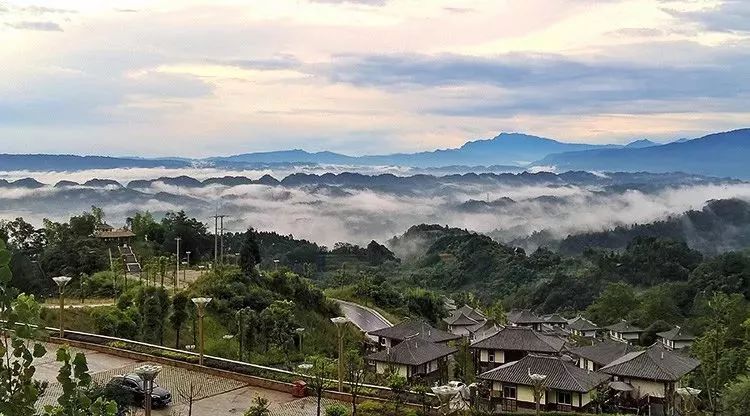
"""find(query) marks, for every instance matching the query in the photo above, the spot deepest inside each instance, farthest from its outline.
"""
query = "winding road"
(364, 318)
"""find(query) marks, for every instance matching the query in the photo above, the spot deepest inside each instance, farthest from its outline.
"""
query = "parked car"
(134, 386)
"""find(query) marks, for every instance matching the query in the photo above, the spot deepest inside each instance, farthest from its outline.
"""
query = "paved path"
(364, 318)
(214, 396)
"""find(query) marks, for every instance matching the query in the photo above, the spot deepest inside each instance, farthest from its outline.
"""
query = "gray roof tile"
(561, 374)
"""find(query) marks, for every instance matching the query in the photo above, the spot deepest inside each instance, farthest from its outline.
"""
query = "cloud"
(39, 10)
(727, 16)
(328, 214)
(546, 83)
(364, 2)
(38, 26)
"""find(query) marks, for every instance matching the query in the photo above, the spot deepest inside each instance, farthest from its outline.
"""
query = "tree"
(319, 373)
(464, 367)
(658, 303)
(259, 407)
(616, 302)
(399, 387)
(179, 314)
(722, 348)
(497, 314)
(277, 320)
(189, 393)
(249, 252)
(19, 391)
(737, 397)
(355, 374)
(78, 396)
(153, 305)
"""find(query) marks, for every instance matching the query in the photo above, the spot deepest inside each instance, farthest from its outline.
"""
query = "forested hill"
(722, 225)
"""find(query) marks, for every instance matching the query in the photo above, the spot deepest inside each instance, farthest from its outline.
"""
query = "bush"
(337, 410)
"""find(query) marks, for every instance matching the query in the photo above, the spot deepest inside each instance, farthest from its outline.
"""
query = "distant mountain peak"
(639, 144)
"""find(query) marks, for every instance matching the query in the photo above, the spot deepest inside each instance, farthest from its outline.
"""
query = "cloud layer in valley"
(328, 214)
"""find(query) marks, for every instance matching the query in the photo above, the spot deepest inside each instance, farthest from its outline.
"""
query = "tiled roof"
(555, 318)
(122, 233)
(521, 339)
(582, 324)
(603, 353)
(561, 374)
(624, 327)
(460, 320)
(524, 317)
(412, 327)
(413, 351)
(654, 363)
(676, 334)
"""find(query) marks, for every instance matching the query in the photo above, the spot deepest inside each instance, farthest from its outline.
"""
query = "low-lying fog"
(328, 214)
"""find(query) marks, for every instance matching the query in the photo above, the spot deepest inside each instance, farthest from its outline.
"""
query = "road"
(364, 318)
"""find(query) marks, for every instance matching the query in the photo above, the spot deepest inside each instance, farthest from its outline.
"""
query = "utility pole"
(177, 275)
(222, 237)
(216, 239)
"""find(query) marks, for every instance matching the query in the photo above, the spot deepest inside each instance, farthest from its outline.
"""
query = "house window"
(382, 341)
(491, 356)
(509, 392)
(564, 397)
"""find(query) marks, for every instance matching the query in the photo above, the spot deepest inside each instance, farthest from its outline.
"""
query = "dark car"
(133, 385)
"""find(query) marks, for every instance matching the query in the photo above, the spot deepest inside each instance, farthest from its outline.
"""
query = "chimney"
(662, 355)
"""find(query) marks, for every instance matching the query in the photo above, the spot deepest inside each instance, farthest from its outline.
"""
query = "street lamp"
(340, 321)
(61, 282)
(201, 304)
(538, 381)
(184, 276)
(148, 373)
(301, 333)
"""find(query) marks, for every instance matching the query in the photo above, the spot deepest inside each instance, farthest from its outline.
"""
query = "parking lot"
(214, 396)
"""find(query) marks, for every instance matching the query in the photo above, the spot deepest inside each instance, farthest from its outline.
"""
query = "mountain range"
(720, 154)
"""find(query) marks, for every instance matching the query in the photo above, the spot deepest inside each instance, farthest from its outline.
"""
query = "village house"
(654, 372)
(567, 388)
(525, 318)
(413, 357)
(511, 344)
(624, 332)
(555, 320)
(392, 336)
(582, 327)
(465, 321)
(676, 338)
(600, 353)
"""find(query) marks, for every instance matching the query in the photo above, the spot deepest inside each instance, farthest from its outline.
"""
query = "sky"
(201, 78)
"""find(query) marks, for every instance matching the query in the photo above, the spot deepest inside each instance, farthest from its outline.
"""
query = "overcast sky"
(199, 78)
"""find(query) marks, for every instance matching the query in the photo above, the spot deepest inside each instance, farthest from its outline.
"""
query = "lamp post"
(538, 383)
(177, 275)
(201, 304)
(340, 321)
(301, 333)
(184, 277)
(148, 373)
(61, 282)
